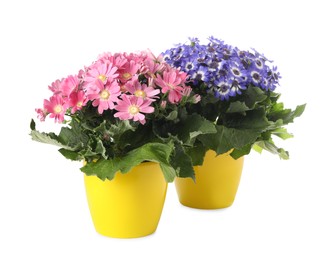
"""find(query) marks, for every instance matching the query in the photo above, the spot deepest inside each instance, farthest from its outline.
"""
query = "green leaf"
(122, 126)
(237, 153)
(103, 169)
(286, 115)
(299, 110)
(32, 125)
(228, 138)
(269, 146)
(100, 149)
(154, 152)
(141, 135)
(282, 133)
(50, 138)
(254, 95)
(197, 153)
(193, 126)
(257, 148)
(237, 107)
(73, 136)
(182, 163)
(172, 115)
(254, 119)
(70, 154)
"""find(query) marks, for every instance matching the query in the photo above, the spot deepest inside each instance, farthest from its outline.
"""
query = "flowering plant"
(237, 90)
(122, 110)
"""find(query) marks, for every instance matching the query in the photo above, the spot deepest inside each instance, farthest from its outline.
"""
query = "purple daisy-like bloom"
(201, 74)
(237, 70)
(226, 71)
(255, 77)
(258, 63)
(223, 90)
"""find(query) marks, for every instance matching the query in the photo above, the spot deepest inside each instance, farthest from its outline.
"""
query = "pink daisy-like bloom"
(129, 71)
(152, 65)
(77, 100)
(172, 81)
(56, 87)
(56, 107)
(142, 91)
(118, 59)
(69, 85)
(136, 57)
(104, 96)
(41, 114)
(105, 72)
(132, 107)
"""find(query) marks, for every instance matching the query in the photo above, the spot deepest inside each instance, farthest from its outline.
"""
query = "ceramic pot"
(216, 182)
(130, 205)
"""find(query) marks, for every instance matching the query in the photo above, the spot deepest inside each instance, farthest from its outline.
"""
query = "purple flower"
(226, 71)
(201, 74)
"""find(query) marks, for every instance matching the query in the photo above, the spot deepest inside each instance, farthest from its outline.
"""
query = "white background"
(279, 209)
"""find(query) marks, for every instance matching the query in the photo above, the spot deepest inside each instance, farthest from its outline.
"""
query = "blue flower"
(237, 85)
(226, 71)
(237, 70)
(189, 65)
(258, 63)
(255, 77)
(201, 74)
(223, 91)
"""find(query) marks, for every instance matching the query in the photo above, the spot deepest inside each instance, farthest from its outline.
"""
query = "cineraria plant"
(122, 110)
(237, 90)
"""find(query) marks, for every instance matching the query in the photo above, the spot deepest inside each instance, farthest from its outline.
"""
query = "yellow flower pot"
(216, 183)
(130, 205)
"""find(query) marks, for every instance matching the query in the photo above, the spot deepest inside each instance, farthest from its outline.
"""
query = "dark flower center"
(213, 65)
(223, 88)
(199, 76)
(256, 76)
(222, 72)
(236, 72)
(235, 84)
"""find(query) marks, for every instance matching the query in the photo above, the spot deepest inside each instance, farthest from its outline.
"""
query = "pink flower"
(172, 81)
(56, 107)
(118, 59)
(187, 91)
(142, 91)
(41, 114)
(56, 87)
(129, 71)
(163, 104)
(104, 96)
(69, 85)
(77, 100)
(105, 72)
(152, 65)
(197, 99)
(132, 107)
